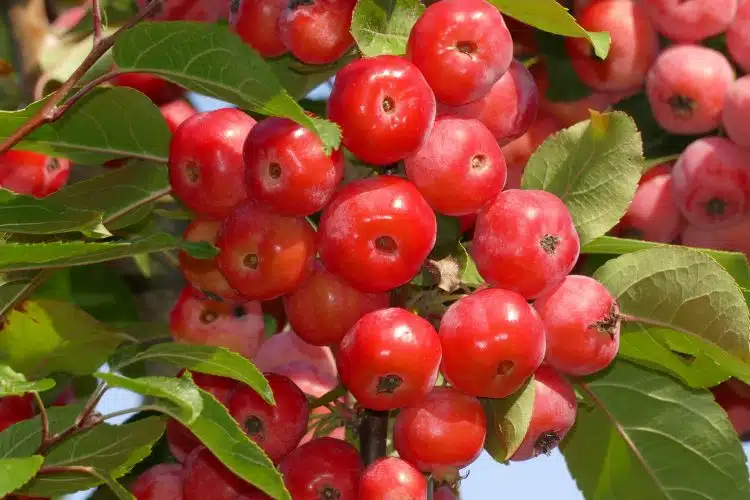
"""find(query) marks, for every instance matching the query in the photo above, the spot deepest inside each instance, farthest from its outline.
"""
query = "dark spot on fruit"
(192, 172)
(389, 384)
(388, 104)
(715, 206)
(466, 47)
(52, 164)
(386, 244)
(609, 323)
(329, 493)
(254, 427)
(293, 4)
(504, 368)
(208, 317)
(234, 6)
(479, 162)
(274, 170)
(239, 311)
(251, 261)
(549, 243)
(682, 106)
(546, 442)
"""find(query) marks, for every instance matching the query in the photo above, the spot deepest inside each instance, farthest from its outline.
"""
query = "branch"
(96, 13)
(329, 397)
(45, 422)
(67, 469)
(28, 25)
(373, 435)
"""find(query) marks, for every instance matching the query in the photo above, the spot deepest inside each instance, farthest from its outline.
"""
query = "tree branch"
(28, 24)
(373, 435)
(96, 13)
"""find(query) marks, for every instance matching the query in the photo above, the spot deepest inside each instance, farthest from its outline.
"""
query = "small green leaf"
(13, 383)
(508, 420)
(469, 273)
(594, 167)
(28, 215)
(15, 472)
(383, 26)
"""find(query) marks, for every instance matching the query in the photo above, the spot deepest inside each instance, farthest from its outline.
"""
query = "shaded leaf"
(508, 420)
(15, 472)
(13, 383)
(29, 215)
(383, 26)
(23, 438)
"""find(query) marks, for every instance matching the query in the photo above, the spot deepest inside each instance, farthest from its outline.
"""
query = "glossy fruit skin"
(508, 109)
(33, 174)
(493, 341)
(265, 255)
(384, 106)
(635, 45)
(736, 110)
(176, 112)
(652, 214)
(206, 169)
(287, 170)
(157, 89)
(442, 433)
(160, 482)
(582, 324)
(317, 32)
(525, 241)
(552, 416)
(389, 359)
(686, 87)
(204, 274)
(322, 468)
(256, 21)
(276, 429)
(462, 47)
(692, 21)
(736, 405)
(206, 477)
(376, 233)
(733, 238)
(325, 307)
(459, 168)
(391, 478)
(711, 182)
(14, 409)
(738, 36)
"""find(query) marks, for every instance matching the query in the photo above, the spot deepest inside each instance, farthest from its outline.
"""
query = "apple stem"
(373, 433)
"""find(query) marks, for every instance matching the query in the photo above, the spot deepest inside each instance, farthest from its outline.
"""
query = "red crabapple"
(690, 21)
(736, 407)
(492, 342)
(176, 112)
(157, 89)
(552, 416)
(736, 112)
(317, 31)
(190, 10)
(525, 241)
(287, 170)
(738, 36)
(508, 109)
(324, 468)
(686, 87)
(285, 352)
(635, 45)
(160, 482)
(392, 119)
(445, 493)
(442, 433)
(656, 171)
(732, 238)
(711, 182)
(256, 21)
(206, 477)
(376, 233)
(33, 174)
(206, 169)
(14, 409)
(652, 214)
(204, 274)
(459, 168)
(276, 429)
(195, 319)
(265, 255)
(462, 47)
(389, 359)
(582, 324)
(325, 307)
(392, 478)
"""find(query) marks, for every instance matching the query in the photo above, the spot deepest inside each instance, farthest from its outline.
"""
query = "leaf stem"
(135, 409)
(96, 13)
(45, 422)
(373, 435)
(329, 397)
(67, 469)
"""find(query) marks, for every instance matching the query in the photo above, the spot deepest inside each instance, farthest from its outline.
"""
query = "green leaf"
(508, 420)
(13, 383)
(299, 79)
(15, 472)
(594, 167)
(47, 336)
(29, 215)
(12, 286)
(181, 392)
(112, 450)
(26, 256)
(100, 291)
(383, 26)
(105, 124)
(206, 359)
(469, 273)
(23, 438)
(212, 60)
(549, 15)
(642, 433)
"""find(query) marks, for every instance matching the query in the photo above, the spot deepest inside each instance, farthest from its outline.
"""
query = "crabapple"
(525, 241)
(391, 478)
(14, 409)
(459, 168)
(656, 171)
(732, 238)
(444, 493)
(462, 47)
(736, 112)
(265, 255)
(322, 468)
(286, 351)
(711, 182)
(206, 477)
(287, 169)
(160, 482)
(204, 274)
(190, 10)
(552, 416)
(33, 174)
(441, 433)
(376, 233)
(325, 307)
(493, 341)
(389, 359)
(634, 46)
(508, 109)
(317, 31)
(582, 324)
(736, 406)
(276, 429)
(738, 36)
(206, 169)
(392, 119)
(176, 112)
(686, 87)
(256, 21)
(159, 90)
(518, 152)
(652, 214)
(692, 21)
